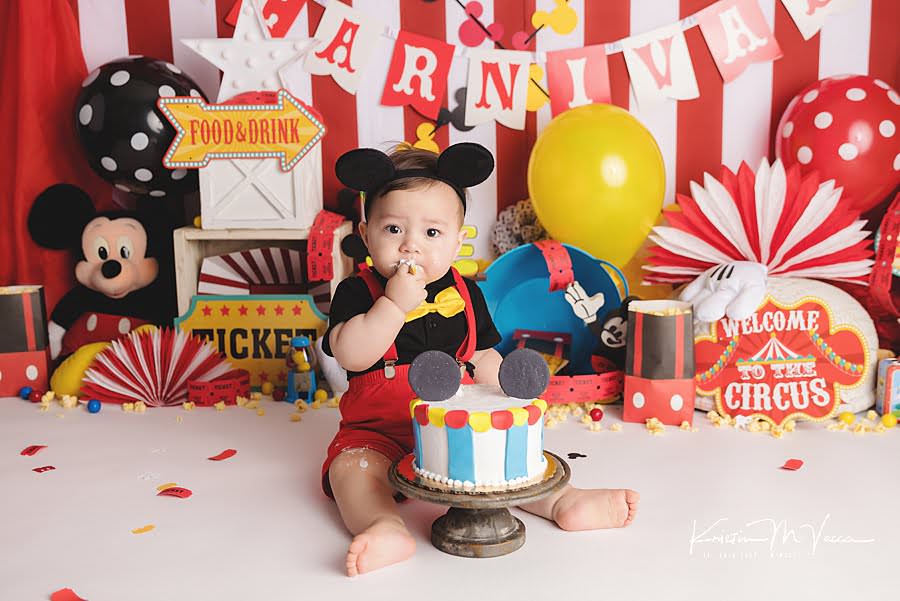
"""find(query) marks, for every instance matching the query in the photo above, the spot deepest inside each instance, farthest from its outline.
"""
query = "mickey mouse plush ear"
(465, 164)
(524, 374)
(58, 215)
(434, 376)
(364, 169)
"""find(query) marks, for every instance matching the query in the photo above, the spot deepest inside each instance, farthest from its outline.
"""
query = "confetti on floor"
(792, 464)
(175, 491)
(143, 529)
(65, 594)
(576, 455)
(42, 469)
(32, 449)
(223, 455)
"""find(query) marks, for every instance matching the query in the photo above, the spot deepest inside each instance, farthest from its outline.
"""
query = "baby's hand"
(405, 288)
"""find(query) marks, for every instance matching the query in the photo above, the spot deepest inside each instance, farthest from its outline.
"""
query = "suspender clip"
(389, 371)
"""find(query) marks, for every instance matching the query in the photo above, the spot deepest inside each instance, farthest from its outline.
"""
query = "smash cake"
(479, 437)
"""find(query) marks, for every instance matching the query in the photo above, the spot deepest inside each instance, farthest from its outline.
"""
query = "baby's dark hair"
(406, 157)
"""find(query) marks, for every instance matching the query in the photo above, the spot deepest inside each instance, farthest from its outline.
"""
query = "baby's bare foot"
(385, 542)
(592, 509)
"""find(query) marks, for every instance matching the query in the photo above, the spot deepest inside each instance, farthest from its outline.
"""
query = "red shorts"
(375, 415)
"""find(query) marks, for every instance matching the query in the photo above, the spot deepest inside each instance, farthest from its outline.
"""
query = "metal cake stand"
(478, 523)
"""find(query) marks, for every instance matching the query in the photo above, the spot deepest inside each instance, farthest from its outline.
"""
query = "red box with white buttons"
(24, 358)
(31, 368)
(659, 363)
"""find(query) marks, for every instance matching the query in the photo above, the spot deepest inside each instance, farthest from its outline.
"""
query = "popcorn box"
(24, 358)
(887, 395)
(29, 368)
(659, 363)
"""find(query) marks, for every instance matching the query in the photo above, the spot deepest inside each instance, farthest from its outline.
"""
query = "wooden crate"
(192, 245)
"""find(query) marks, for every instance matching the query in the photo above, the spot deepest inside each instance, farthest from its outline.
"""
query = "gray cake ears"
(434, 376)
(524, 374)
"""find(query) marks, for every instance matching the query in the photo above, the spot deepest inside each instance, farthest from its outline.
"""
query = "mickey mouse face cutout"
(460, 166)
(524, 374)
(434, 376)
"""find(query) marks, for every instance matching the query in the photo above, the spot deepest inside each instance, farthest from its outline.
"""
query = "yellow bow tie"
(448, 303)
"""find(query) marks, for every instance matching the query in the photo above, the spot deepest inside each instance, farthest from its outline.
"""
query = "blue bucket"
(517, 291)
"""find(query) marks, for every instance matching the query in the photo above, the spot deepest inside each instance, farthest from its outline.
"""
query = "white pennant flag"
(497, 87)
(809, 15)
(660, 66)
(345, 43)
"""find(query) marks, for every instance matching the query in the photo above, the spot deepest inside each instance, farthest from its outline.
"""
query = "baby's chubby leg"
(365, 498)
(587, 509)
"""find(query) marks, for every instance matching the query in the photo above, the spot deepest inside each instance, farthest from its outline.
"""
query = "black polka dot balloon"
(123, 132)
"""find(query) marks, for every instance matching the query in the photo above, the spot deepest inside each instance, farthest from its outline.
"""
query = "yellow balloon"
(597, 181)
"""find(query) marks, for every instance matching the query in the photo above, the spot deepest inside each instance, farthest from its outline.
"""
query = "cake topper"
(434, 376)
(524, 374)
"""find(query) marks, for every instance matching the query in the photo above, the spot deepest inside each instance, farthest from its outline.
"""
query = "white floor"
(258, 527)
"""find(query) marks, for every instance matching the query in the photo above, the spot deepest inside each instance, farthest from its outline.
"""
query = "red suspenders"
(466, 349)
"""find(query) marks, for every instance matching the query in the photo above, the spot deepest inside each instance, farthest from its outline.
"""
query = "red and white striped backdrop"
(726, 124)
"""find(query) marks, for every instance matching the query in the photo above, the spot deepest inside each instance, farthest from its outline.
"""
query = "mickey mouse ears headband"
(460, 166)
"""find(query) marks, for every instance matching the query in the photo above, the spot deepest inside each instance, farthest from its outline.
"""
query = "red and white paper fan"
(152, 366)
(260, 271)
(796, 226)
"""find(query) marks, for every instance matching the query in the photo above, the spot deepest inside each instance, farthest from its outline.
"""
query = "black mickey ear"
(434, 376)
(58, 215)
(364, 169)
(353, 246)
(524, 374)
(465, 164)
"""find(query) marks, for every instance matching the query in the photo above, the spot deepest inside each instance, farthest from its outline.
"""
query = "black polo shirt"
(431, 332)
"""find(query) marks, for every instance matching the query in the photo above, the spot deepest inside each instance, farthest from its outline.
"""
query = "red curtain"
(41, 67)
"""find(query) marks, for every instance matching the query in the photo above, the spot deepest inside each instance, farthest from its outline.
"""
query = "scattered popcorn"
(300, 404)
(833, 427)
(789, 425)
(577, 412)
(586, 419)
(241, 400)
(315, 404)
(859, 429)
(777, 432)
(139, 407)
(616, 427)
(188, 406)
(220, 406)
(69, 401)
(251, 404)
(550, 423)
(260, 412)
(48, 396)
(62, 415)
(880, 428)
(655, 426)
(128, 407)
(255, 396)
(685, 425)
(871, 414)
(712, 415)
(178, 419)
(594, 426)
(296, 417)
(44, 408)
(333, 403)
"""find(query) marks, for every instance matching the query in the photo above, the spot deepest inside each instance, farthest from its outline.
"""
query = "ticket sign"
(254, 331)
(286, 130)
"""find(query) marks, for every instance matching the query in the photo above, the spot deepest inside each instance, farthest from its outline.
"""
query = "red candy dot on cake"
(421, 413)
(534, 414)
(456, 419)
(502, 420)
(35, 396)
(596, 414)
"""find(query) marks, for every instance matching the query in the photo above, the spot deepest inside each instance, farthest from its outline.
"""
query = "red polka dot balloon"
(845, 127)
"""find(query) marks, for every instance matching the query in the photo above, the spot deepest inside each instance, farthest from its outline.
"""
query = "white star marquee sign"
(251, 60)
